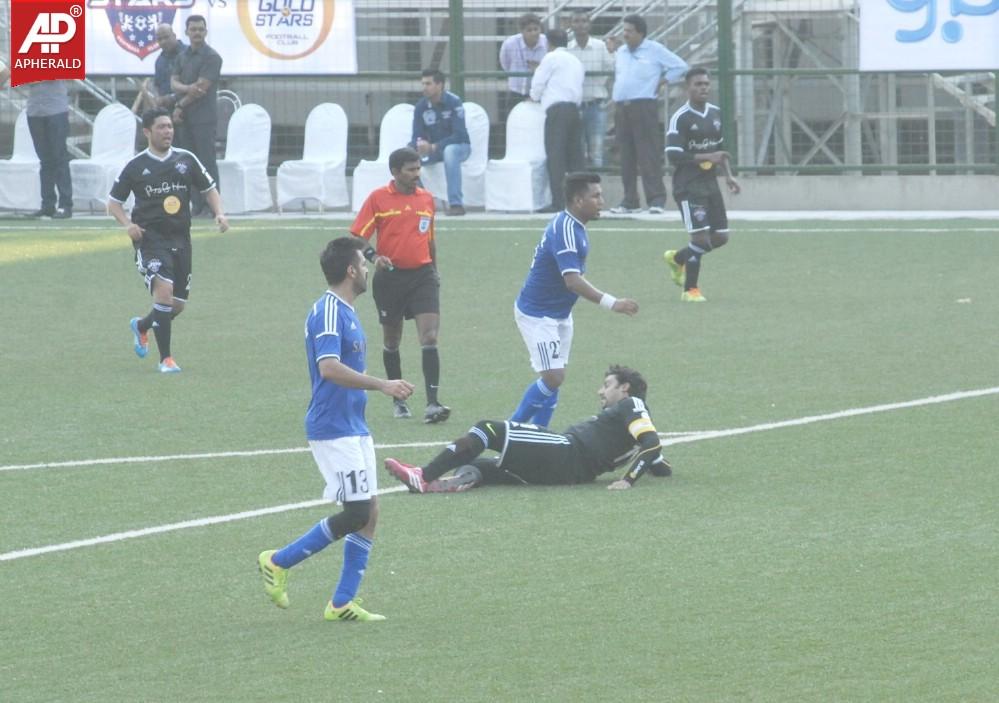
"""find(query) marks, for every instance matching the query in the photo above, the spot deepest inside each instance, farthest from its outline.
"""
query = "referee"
(162, 178)
(406, 284)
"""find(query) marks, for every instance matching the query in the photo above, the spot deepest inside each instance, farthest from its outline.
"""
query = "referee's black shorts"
(405, 293)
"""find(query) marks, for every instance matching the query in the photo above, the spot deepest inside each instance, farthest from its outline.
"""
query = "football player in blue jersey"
(543, 310)
(338, 434)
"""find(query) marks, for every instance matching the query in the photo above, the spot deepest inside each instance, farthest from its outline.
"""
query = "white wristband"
(607, 301)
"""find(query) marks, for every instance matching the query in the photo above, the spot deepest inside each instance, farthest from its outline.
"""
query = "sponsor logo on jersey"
(171, 204)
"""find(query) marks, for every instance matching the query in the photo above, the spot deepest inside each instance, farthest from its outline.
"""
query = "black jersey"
(692, 132)
(162, 187)
(609, 440)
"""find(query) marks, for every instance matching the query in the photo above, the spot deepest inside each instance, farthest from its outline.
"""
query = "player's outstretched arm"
(584, 289)
(339, 373)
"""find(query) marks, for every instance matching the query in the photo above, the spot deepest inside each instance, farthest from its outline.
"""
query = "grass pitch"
(851, 559)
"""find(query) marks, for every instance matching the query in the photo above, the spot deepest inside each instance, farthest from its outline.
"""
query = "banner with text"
(929, 35)
(254, 37)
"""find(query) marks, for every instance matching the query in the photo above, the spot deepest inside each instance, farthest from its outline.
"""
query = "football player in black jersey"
(162, 178)
(694, 147)
(621, 434)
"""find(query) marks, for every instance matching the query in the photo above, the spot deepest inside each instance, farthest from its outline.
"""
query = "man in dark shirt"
(439, 134)
(195, 81)
(170, 48)
(622, 433)
(693, 145)
(162, 178)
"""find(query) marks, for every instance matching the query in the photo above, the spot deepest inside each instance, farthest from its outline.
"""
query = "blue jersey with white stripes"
(562, 250)
(333, 330)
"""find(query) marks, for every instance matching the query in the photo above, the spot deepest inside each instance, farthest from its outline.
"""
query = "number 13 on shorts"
(348, 466)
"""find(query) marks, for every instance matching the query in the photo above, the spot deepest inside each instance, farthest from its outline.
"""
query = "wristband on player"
(369, 254)
(607, 301)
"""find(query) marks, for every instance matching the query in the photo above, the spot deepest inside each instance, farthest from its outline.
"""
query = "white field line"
(82, 463)
(711, 434)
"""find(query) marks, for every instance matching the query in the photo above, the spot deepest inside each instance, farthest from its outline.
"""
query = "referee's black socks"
(393, 364)
(431, 373)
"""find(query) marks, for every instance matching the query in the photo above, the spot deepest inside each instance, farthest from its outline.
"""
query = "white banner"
(254, 37)
(929, 35)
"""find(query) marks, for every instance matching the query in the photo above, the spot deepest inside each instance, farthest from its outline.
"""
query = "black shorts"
(168, 259)
(405, 293)
(537, 456)
(703, 212)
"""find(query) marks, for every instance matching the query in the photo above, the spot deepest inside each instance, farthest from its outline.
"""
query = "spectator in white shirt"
(520, 53)
(595, 57)
(558, 86)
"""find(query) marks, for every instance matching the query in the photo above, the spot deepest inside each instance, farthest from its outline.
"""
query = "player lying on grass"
(623, 432)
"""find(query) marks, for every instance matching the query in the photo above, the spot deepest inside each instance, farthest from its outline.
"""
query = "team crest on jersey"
(717, 124)
(424, 225)
(181, 167)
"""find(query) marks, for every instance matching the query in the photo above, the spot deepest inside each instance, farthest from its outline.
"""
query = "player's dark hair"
(153, 114)
(437, 75)
(195, 18)
(528, 19)
(556, 38)
(576, 184)
(338, 255)
(637, 387)
(638, 22)
(401, 157)
(695, 71)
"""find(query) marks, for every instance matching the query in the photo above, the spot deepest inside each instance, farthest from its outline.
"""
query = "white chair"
(243, 182)
(321, 174)
(19, 185)
(111, 147)
(519, 181)
(395, 132)
(473, 169)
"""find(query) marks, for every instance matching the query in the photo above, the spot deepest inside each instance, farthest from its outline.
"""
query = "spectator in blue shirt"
(642, 70)
(439, 134)
(170, 48)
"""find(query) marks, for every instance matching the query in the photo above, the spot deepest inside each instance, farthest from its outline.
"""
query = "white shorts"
(548, 339)
(348, 465)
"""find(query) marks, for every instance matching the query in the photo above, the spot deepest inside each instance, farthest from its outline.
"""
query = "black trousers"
(200, 139)
(563, 147)
(639, 138)
(49, 133)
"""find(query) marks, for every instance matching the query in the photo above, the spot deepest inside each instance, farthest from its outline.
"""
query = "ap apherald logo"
(48, 40)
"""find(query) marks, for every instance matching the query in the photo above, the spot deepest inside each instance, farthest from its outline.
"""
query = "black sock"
(692, 270)
(161, 328)
(461, 452)
(145, 323)
(682, 256)
(431, 373)
(393, 364)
